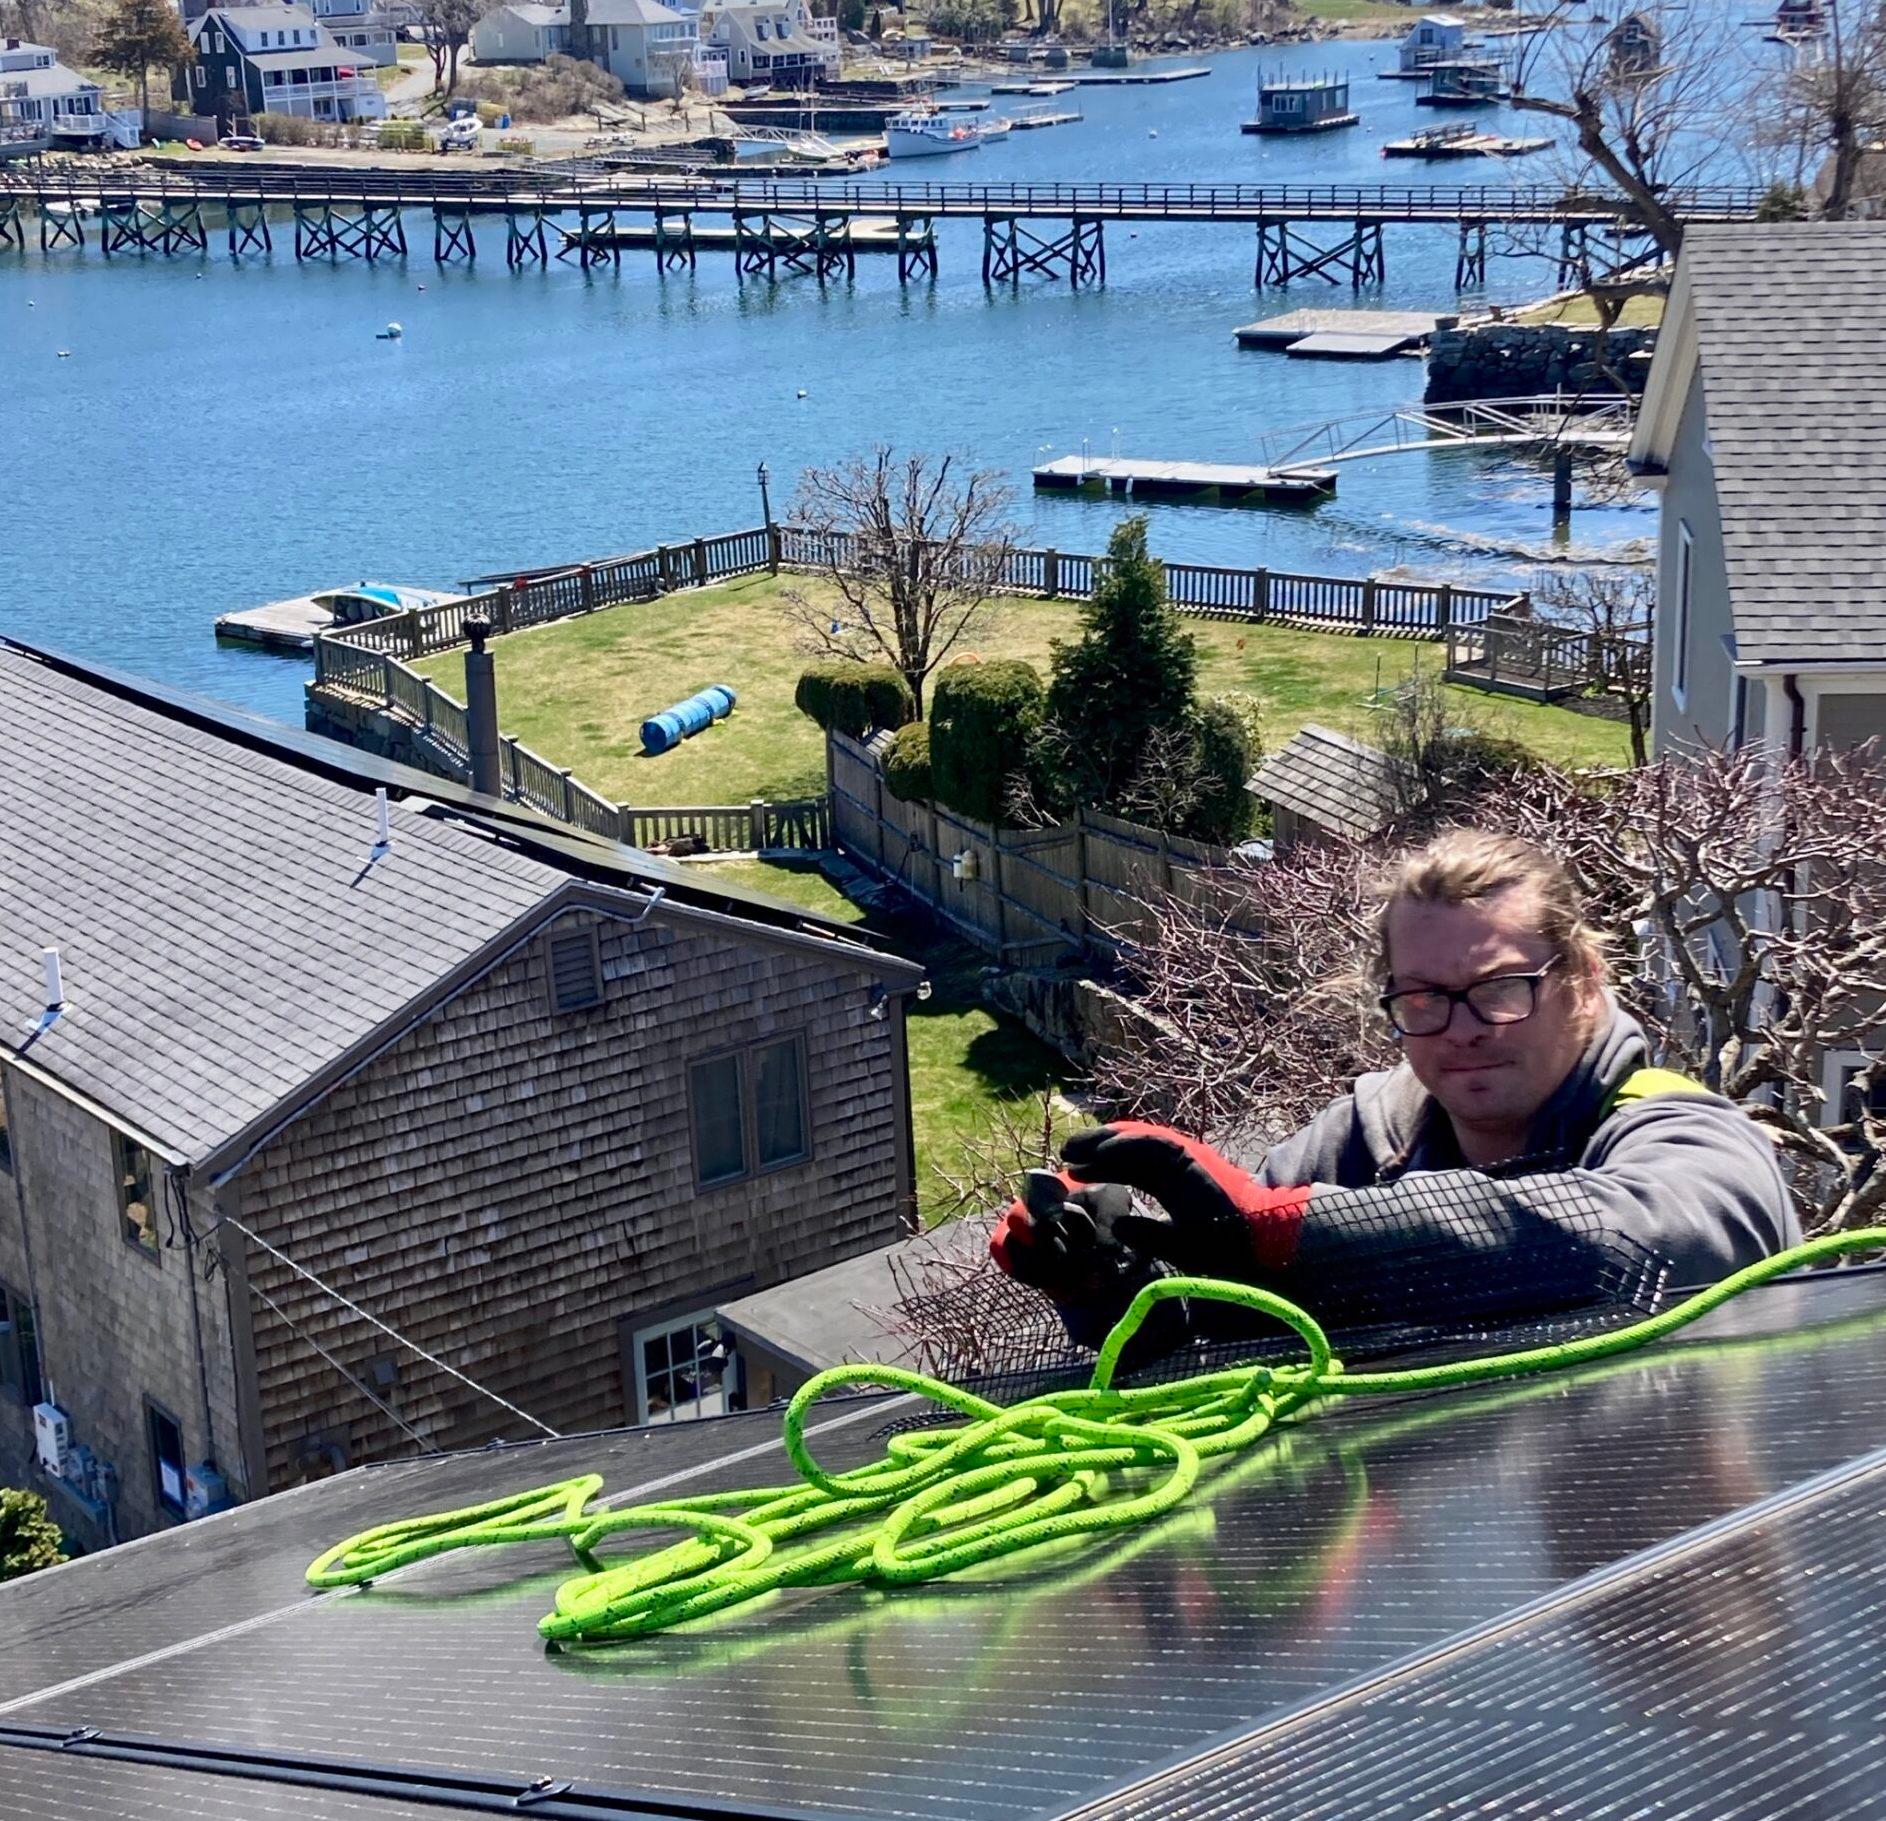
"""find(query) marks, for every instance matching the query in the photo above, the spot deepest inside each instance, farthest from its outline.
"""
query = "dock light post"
(766, 503)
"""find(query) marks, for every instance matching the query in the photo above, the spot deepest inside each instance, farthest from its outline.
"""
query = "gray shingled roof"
(1331, 780)
(221, 934)
(1791, 336)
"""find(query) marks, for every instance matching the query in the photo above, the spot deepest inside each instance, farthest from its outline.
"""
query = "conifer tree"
(1126, 682)
(137, 34)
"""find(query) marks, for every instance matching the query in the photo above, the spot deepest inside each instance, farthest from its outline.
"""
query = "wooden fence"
(1024, 895)
(1544, 661)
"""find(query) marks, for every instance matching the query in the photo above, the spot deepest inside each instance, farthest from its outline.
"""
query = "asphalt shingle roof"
(221, 934)
(1791, 338)
(1331, 780)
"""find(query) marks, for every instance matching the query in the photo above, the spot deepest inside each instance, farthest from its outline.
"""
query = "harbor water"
(185, 437)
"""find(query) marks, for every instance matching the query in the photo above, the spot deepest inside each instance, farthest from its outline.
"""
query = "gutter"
(1797, 713)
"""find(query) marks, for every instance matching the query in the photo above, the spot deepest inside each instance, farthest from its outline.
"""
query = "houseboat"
(1434, 38)
(1470, 82)
(1301, 104)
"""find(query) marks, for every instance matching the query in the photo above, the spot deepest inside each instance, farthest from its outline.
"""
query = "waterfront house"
(642, 43)
(765, 42)
(1321, 784)
(273, 60)
(43, 102)
(1770, 621)
(369, 33)
(1435, 38)
(521, 32)
(537, 1102)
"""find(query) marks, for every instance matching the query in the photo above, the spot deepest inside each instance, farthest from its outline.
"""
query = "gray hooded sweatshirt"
(1679, 1186)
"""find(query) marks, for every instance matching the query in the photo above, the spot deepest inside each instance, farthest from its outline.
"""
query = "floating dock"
(1451, 142)
(280, 626)
(1343, 334)
(1132, 78)
(1059, 86)
(1026, 120)
(1237, 481)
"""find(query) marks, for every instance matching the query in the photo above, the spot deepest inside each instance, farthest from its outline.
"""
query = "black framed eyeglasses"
(1426, 1011)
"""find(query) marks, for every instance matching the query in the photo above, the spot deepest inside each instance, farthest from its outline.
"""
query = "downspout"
(1797, 714)
(177, 1183)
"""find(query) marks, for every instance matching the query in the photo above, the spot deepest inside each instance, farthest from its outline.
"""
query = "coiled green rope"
(1061, 1467)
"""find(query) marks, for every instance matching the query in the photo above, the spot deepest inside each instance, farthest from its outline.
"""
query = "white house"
(41, 99)
(642, 43)
(522, 32)
(1436, 38)
(1758, 430)
(766, 41)
(274, 60)
(371, 34)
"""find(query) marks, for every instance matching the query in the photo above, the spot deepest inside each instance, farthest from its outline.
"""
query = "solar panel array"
(1381, 1583)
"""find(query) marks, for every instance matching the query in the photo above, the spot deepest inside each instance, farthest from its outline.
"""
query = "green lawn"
(964, 1060)
(578, 691)
(1581, 312)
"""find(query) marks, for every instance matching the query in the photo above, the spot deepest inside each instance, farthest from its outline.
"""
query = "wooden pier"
(1237, 481)
(1323, 232)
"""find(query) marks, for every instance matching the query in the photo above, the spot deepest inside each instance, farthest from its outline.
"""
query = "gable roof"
(1329, 779)
(1786, 325)
(225, 936)
(635, 12)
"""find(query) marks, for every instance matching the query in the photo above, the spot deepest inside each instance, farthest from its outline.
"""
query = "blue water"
(224, 434)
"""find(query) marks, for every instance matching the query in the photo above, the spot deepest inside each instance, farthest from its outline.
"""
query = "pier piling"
(525, 241)
(452, 236)
(247, 225)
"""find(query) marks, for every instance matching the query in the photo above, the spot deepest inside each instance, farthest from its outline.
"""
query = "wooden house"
(338, 1127)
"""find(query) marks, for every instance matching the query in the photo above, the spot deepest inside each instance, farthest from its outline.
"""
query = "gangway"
(1587, 421)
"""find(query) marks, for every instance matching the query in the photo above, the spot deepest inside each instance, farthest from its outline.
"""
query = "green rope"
(1053, 1470)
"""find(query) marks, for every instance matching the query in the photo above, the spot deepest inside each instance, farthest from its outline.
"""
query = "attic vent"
(575, 971)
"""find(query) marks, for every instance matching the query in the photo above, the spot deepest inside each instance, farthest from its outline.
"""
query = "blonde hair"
(1465, 865)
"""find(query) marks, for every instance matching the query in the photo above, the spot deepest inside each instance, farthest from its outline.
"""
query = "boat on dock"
(1461, 140)
(914, 135)
(291, 625)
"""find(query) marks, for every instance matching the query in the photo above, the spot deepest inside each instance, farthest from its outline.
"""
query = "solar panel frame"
(1362, 1539)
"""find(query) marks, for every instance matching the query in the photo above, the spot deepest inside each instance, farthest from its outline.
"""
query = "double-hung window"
(749, 1111)
(136, 1171)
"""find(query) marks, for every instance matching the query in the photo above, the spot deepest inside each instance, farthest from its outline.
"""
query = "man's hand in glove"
(1062, 1238)
(1225, 1223)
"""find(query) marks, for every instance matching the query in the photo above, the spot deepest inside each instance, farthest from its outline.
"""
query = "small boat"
(291, 625)
(916, 135)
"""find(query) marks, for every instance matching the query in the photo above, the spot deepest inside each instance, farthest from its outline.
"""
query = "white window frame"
(1835, 1065)
(717, 1405)
(1680, 631)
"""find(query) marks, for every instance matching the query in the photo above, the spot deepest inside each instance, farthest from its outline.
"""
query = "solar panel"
(1366, 1537)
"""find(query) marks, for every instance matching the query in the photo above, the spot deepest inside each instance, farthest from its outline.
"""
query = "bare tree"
(914, 547)
(1742, 895)
(448, 28)
(1647, 95)
(1826, 104)
(1613, 609)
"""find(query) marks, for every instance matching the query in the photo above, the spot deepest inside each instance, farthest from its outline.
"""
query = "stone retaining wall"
(1518, 360)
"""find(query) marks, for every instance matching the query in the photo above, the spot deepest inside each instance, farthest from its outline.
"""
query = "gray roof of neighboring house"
(828, 1317)
(322, 57)
(1791, 340)
(222, 935)
(1329, 779)
(533, 14)
(32, 84)
(635, 12)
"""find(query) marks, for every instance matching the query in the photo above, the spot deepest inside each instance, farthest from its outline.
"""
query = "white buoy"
(392, 332)
(802, 392)
(1152, 132)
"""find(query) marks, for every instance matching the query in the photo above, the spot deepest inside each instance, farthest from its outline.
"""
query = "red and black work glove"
(1224, 1222)
(1062, 1238)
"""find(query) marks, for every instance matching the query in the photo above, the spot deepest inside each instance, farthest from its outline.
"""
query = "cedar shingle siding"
(506, 1186)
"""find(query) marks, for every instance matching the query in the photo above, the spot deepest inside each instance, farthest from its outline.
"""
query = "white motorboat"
(929, 135)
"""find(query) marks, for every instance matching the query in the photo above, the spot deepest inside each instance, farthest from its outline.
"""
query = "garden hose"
(1058, 1468)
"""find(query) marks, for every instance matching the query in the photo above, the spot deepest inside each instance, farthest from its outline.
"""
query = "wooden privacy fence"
(1024, 895)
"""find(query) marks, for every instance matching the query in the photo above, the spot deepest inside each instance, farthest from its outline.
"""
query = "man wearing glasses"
(1521, 1155)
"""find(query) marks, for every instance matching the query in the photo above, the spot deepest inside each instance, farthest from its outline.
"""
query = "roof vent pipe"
(55, 984)
(382, 821)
